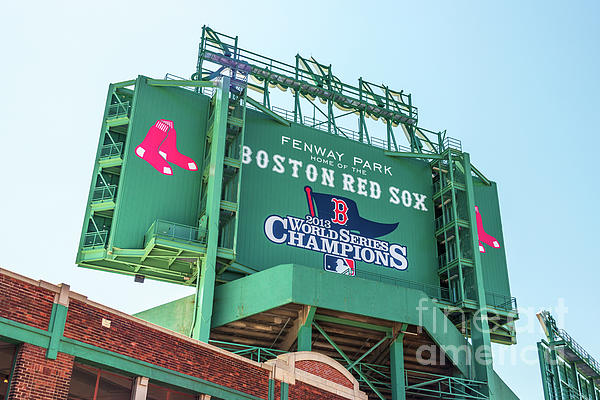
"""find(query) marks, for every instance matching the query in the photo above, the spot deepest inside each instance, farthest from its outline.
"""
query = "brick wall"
(324, 371)
(24, 302)
(137, 340)
(37, 378)
(303, 391)
(29, 302)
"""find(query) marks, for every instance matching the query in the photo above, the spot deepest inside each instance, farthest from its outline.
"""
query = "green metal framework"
(415, 383)
(220, 54)
(568, 371)
(204, 255)
(309, 81)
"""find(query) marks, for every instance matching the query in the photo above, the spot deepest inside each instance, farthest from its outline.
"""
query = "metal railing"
(450, 256)
(95, 239)
(341, 131)
(176, 232)
(118, 110)
(444, 219)
(439, 185)
(104, 193)
(255, 353)
(437, 292)
(111, 150)
(321, 125)
(434, 385)
(422, 383)
(373, 98)
(579, 350)
(500, 301)
(379, 375)
(452, 143)
(207, 91)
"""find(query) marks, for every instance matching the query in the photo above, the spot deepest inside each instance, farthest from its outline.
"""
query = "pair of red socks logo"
(482, 235)
(159, 148)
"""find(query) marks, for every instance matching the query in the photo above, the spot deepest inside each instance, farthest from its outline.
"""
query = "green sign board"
(145, 193)
(290, 194)
(324, 201)
(493, 255)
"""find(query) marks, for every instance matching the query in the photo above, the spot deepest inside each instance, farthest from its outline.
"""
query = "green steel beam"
(305, 338)
(305, 330)
(56, 327)
(376, 345)
(454, 210)
(480, 334)
(299, 284)
(397, 366)
(242, 268)
(215, 37)
(271, 390)
(88, 211)
(356, 324)
(480, 175)
(176, 82)
(124, 83)
(19, 332)
(140, 368)
(575, 374)
(206, 281)
(558, 389)
(285, 389)
(267, 111)
(348, 361)
(413, 155)
(243, 101)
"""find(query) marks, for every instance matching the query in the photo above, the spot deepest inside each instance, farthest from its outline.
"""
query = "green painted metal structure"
(568, 371)
(206, 229)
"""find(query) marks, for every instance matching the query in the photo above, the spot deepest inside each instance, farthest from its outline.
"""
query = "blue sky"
(516, 81)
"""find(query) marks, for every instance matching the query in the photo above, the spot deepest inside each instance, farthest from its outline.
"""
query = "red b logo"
(341, 210)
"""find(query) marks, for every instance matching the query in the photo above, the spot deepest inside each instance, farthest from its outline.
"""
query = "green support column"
(454, 217)
(480, 333)
(553, 361)
(271, 390)
(397, 367)
(543, 364)
(576, 385)
(285, 388)
(58, 319)
(305, 338)
(305, 331)
(555, 372)
(351, 365)
(206, 282)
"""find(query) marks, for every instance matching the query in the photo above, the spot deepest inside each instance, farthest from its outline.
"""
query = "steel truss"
(309, 81)
(378, 377)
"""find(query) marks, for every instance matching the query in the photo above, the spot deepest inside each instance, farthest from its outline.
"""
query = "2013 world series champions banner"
(323, 200)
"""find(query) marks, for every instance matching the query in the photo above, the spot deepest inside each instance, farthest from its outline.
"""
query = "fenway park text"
(327, 177)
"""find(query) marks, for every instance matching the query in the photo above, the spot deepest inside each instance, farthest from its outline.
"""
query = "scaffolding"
(568, 370)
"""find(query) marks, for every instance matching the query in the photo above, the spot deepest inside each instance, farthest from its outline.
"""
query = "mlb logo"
(339, 265)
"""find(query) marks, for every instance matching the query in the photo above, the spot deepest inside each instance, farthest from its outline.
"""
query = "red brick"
(37, 378)
(324, 371)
